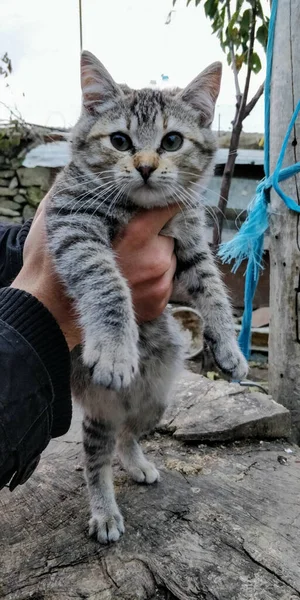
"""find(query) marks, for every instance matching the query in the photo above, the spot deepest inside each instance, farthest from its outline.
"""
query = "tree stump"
(223, 523)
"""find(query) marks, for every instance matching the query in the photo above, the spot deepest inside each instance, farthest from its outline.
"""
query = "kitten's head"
(150, 144)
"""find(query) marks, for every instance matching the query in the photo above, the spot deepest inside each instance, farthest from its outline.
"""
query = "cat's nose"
(145, 171)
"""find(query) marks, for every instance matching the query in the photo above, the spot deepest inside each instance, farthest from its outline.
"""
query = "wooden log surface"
(223, 524)
(284, 349)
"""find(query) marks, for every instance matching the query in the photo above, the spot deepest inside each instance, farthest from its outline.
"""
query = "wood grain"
(222, 524)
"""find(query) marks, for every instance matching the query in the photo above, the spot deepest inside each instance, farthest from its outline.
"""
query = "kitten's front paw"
(112, 366)
(107, 528)
(230, 359)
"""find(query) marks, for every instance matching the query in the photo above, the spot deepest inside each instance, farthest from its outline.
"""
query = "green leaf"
(234, 33)
(239, 61)
(245, 48)
(211, 8)
(231, 23)
(262, 35)
(218, 22)
(245, 22)
(258, 9)
(255, 63)
(221, 38)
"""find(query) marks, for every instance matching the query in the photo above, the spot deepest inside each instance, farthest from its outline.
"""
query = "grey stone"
(28, 212)
(20, 199)
(3, 182)
(7, 212)
(39, 176)
(22, 191)
(6, 174)
(16, 163)
(17, 220)
(218, 411)
(8, 204)
(5, 191)
(34, 196)
(14, 183)
(23, 153)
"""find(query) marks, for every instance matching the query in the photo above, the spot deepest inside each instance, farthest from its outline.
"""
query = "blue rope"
(249, 241)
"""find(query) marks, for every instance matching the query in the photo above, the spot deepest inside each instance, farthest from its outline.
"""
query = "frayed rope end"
(247, 242)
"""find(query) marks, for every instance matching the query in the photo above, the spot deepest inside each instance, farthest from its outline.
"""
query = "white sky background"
(129, 36)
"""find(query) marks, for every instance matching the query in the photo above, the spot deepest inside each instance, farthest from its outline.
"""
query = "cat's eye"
(121, 141)
(172, 141)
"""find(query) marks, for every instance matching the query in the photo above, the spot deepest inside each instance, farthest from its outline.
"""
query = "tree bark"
(252, 103)
(240, 115)
(226, 183)
(284, 349)
(209, 530)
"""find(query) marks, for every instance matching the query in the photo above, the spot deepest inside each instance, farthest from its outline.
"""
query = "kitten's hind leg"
(106, 522)
(161, 358)
(134, 461)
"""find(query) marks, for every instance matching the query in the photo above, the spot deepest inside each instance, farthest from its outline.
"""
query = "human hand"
(145, 259)
(38, 278)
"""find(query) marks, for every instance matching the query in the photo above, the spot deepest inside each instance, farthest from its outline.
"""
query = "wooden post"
(284, 349)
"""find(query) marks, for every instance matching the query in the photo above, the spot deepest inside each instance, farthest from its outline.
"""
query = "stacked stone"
(21, 190)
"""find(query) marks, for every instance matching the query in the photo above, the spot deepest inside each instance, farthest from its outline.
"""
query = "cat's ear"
(203, 91)
(98, 87)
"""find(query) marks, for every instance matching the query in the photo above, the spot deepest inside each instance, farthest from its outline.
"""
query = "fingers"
(151, 297)
(172, 269)
(149, 223)
(144, 262)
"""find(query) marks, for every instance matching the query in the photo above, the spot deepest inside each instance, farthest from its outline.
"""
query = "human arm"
(35, 398)
(28, 344)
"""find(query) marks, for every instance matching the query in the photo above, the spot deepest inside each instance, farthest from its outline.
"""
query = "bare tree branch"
(235, 138)
(249, 107)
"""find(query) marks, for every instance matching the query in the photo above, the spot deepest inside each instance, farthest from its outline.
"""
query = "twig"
(249, 107)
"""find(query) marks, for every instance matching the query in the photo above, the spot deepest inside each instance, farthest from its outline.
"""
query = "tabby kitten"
(132, 149)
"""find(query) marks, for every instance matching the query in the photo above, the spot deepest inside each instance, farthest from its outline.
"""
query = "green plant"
(242, 29)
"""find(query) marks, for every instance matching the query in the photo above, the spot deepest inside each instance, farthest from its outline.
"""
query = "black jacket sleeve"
(35, 397)
(12, 239)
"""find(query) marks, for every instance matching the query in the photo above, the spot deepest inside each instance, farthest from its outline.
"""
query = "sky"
(129, 36)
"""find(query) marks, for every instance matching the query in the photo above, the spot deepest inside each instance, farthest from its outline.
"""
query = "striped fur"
(123, 373)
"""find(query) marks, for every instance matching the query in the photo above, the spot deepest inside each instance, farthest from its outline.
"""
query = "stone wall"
(21, 190)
